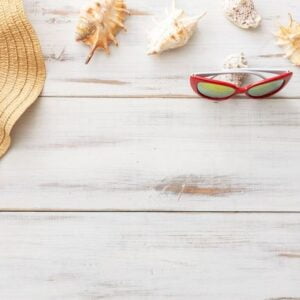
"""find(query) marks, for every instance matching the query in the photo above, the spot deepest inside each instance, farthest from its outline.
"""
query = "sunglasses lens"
(266, 88)
(213, 90)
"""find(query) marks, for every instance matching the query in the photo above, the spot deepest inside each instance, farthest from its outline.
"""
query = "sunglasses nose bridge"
(241, 90)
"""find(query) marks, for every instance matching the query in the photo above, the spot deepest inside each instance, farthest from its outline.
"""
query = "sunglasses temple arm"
(256, 72)
(215, 74)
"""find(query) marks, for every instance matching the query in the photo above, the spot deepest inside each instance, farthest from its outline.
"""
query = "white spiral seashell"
(173, 32)
(234, 61)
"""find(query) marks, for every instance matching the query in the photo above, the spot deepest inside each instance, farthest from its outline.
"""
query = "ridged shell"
(242, 13)
(99, 24)
(173, 32)
(235, 61)
(289, 38)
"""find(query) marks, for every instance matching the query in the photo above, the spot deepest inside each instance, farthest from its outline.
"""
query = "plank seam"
(158, 97)
(144, 211)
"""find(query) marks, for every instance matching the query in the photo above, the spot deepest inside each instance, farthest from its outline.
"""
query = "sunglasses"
(205, 84)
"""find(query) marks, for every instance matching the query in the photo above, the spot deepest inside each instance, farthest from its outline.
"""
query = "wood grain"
(126, 133)
(146, 154)
(163, 76)
(149, 256)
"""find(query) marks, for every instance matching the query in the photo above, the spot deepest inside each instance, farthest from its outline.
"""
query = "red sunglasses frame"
(196, 78)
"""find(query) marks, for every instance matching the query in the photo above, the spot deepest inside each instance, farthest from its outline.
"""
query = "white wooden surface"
(209, 193)
(150, 256)
(155, 154)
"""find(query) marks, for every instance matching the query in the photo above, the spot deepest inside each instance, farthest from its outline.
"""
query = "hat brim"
(22, 67)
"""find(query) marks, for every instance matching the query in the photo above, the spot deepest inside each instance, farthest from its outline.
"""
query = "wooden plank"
(110, 154)
(149, 256)
(130, 72)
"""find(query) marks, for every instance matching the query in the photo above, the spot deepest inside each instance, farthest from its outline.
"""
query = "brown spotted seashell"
(99, 24)
(242, 13)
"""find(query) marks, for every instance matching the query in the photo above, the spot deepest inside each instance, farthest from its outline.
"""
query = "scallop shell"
(235, 61)
(242, 13)
(99, 24)
(289, 38)
(173, 32)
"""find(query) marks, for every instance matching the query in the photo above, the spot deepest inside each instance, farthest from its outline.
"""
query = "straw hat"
(22, 68)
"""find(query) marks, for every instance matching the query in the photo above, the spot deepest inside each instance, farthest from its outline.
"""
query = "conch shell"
(242, 13)
(235, 61)
(289, 38)
(173, 32)
(99, 23)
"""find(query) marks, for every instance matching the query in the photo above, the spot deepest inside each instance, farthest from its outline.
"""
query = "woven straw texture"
(22, 68)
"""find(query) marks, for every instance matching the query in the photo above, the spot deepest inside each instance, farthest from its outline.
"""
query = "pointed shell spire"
(173, 32)
(99, 24)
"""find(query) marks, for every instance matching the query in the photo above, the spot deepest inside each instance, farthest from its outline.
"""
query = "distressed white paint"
(149, 256)
(154, 154)
(128, 71)
(95, 151)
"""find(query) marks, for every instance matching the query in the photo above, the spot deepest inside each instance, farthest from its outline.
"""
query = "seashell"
(173, 32)
(289, 38)
(242, 13)
(235, 61)
(99, 24)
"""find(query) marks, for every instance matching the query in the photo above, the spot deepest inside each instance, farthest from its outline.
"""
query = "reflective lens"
(213, 90)
(266, 88)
